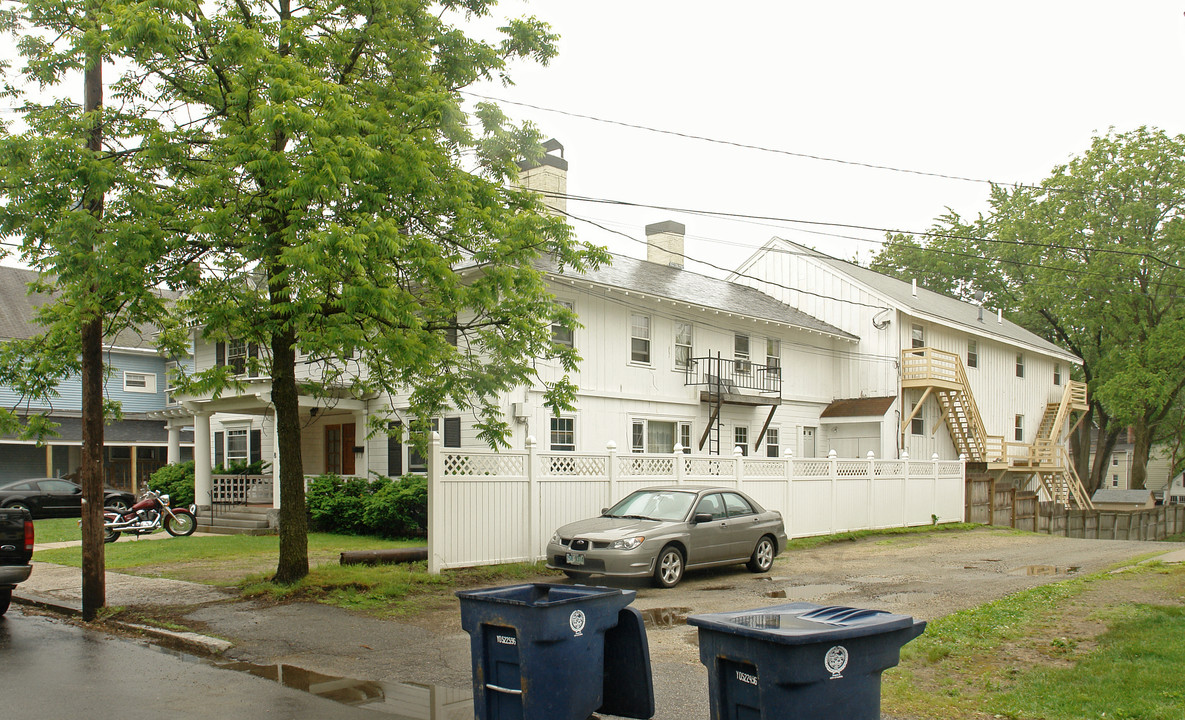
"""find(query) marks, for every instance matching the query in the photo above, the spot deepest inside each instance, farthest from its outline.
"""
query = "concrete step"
(232, 523)
(248, 517)
(222, 530)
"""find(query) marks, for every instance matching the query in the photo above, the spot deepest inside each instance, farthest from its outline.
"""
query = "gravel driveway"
(925, 576)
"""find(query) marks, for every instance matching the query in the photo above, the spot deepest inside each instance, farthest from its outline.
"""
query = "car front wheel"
(668, 571)
(763, 556)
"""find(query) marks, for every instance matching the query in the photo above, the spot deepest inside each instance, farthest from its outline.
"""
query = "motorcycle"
(150, 513)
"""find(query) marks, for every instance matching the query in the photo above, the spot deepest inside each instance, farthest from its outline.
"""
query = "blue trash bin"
(800, 661)
(540, 652)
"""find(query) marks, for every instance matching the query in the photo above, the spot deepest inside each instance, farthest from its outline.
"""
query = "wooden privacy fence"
(989, 503)
(488, 507)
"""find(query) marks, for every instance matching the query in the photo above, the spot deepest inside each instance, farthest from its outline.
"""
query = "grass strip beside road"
(1108, 645)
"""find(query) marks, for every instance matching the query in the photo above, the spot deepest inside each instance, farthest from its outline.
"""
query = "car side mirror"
(604, 511)
(702, 517)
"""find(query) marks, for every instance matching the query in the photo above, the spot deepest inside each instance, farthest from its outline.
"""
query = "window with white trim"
(1057, 373)
(740, 437)
(1020, 365)
(561, 335)
(658, 436)
(740, 352)
(972, 354)
(683, 340)
(685, 437)
(640, 339)
(1018, 431)
(772, 447)
(138, 382)
(238, 449)
(563, 434)
(917, 426)
(773, 357)
(917, 336)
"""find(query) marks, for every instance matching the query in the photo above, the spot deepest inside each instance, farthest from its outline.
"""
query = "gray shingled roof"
(673, 283)
(1115, 495)
(938, 305)
(18, 310)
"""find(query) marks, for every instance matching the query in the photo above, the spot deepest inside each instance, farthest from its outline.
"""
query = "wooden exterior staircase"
(941, 373)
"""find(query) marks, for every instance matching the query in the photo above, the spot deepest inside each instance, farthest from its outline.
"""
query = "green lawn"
(1083, 648)
(49, 530)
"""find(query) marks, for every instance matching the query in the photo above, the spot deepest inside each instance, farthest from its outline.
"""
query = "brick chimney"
(548, 175)
(664, 243)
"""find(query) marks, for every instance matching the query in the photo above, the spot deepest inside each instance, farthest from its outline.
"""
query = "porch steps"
(243, 520)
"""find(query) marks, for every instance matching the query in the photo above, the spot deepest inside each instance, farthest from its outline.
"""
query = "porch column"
(203, 484)
(174, 454)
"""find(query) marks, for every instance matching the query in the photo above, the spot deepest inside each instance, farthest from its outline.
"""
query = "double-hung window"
(740, 436)
(917, 336)
(683, 340)
(773, 357)
(561, 335)
(740, 352)
(640, 339)
(563, 434)
(1019, 428)
(972, 354)
(772, 446)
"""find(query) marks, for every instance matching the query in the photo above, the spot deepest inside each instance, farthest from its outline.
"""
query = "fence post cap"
(678, 448)
(611, 445)
(871, 455)
(904, 454)
(934, 457)
(737, 451)
(531, 442)
(435, 438)
(831, 454)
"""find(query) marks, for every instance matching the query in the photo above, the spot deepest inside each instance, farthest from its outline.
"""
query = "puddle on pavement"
(404, 701)
(1046, 570)
(665, 617)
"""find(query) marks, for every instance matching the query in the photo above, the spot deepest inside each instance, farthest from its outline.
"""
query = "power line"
(750, 146)
(872, 228)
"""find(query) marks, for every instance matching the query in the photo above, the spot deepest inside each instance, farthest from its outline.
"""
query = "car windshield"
(654, 505)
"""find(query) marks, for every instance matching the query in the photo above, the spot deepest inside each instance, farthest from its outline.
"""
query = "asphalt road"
(51, 670)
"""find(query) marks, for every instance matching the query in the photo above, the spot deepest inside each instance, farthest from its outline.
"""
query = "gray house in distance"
(134, 447)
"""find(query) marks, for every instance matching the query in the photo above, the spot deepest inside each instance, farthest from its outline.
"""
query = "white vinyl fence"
(488, 507)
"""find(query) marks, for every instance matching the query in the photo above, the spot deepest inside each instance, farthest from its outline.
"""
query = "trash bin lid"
(802, 623)
(545, 594)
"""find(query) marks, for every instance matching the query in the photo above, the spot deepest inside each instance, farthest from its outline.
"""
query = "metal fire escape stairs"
(942, 375)
(733, 382)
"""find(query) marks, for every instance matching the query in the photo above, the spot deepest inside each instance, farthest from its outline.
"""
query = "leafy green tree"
(1091, 260)
(347, 209)
(82, 206)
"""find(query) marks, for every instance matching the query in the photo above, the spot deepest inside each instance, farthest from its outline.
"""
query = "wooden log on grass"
(384, 557)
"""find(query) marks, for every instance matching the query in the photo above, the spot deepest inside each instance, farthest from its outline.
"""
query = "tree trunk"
(1141, 449)
(94, 591)
(94, 588)
(294, 556)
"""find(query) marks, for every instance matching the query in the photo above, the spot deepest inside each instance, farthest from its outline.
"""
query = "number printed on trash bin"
(746, 677)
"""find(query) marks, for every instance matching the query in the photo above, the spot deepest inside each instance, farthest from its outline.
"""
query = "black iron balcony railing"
(730, 376)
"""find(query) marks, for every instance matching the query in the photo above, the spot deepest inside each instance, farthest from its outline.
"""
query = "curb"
(188, 641)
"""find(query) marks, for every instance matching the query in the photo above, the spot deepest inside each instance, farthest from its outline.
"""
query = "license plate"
(575, 559)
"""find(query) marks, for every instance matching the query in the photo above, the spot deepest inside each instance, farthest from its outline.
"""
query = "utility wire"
(850, 226)
(750, 146)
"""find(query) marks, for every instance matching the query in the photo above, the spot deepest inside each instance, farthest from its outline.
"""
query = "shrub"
(382, 506)
(176, 481)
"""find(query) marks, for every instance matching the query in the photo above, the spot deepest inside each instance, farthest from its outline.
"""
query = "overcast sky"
(1001, 91)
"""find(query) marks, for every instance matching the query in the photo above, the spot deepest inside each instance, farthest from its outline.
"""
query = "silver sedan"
(663, 531)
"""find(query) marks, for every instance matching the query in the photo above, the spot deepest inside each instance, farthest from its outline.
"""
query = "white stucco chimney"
(549, 176)
(664, 243)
